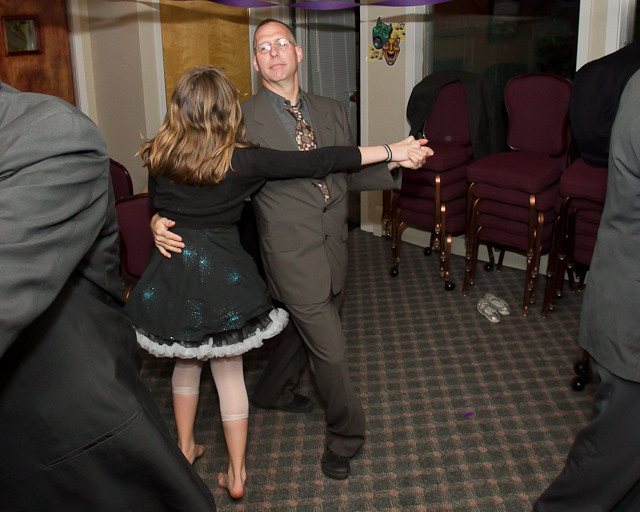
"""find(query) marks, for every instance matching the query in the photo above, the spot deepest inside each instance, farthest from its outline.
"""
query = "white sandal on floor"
(488, 311)
(500, 305)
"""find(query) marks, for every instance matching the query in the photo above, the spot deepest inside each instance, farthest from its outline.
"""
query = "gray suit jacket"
(53, 223)
(304, 240)
(610, 318)
(72, 405)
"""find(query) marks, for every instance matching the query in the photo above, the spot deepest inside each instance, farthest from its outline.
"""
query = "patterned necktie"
(306, 140)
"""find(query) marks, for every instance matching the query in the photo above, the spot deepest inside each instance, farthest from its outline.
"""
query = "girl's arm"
(408, 153)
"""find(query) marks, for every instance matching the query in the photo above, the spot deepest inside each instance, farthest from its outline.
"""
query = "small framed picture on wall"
(21, 35)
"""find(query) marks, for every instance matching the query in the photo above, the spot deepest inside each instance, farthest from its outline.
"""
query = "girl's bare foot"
(234, 485)
(193, 452)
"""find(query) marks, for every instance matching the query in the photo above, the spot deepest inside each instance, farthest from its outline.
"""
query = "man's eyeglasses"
(279, 44)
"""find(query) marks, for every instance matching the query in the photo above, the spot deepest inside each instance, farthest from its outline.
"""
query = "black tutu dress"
(210, 301)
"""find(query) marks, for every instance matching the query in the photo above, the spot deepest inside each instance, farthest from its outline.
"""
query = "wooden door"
(197, 33)
(34, 53)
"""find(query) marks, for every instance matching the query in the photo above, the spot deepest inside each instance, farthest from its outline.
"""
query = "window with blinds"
(332, 58)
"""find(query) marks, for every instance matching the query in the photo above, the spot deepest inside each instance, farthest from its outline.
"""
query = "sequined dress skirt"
(209, 301)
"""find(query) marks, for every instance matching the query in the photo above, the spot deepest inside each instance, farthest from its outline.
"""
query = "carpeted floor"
(462, 415)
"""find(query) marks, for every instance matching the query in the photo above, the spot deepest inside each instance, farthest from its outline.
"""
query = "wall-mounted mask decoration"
(386, 39)
(391, 50)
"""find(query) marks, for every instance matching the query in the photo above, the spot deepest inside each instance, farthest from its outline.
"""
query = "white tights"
(228, 377)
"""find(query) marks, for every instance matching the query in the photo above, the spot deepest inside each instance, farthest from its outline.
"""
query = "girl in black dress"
(209, 302)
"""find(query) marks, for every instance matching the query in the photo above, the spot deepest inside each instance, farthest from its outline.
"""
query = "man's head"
(276, 55)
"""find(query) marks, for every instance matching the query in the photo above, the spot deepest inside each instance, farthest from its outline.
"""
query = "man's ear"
(299, 53)
(254, 63)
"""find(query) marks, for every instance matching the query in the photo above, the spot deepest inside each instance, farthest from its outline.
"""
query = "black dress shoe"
(334, 465)
(298, 404)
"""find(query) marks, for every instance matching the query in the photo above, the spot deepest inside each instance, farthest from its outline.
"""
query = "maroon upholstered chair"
(434, 197)
(120, 180)
(583, 189)
(513, 195)
(136, 240)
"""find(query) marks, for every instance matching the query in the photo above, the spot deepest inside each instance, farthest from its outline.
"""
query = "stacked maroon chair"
(120, 180)
(136, 240)
(134, 216)
(582, 188)
(513, 195)
(434, 197)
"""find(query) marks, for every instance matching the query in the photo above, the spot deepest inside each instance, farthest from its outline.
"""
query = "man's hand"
(165, 240)
(416, 152)
(417, 157)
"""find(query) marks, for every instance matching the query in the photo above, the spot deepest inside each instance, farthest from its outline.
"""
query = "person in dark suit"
(596, 93)
(602, 471)
(303, 240)
(78, 429)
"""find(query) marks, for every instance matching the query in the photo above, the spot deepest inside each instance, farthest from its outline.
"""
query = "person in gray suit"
(303, 241)
(78, 430)
(602, 471)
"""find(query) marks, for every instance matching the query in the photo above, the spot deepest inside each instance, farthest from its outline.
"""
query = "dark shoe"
(334, 465)
(298, 404)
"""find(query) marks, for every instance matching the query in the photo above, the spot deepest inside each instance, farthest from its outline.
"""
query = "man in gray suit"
(78, 430)
(602, 471)
(303, 235)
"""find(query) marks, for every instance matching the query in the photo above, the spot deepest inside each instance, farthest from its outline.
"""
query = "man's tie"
(306, 140)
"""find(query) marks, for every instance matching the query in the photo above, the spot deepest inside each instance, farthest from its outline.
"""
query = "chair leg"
(445, 252)
(395, 245)
(467, 270)
(533, 231)
(582, 274)
(559, 279)
(474, 255)
(396, 234)
(492, 259)
(552, 267)
(437, 233)
(448, 284)
(581, 368)
(571, 240)
(443, 245)
(491, 255)
(469, 211)
(387, 212)
(562, 257)
(471, 241)
(429, 248)
(500, 260)
(536, 260)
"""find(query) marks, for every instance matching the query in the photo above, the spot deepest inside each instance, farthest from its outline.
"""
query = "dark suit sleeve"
(375, 177)
(54, 196)
(370, 177)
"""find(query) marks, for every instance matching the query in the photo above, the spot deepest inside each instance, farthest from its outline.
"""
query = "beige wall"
(117, 69)
(597, 30)
(385, 90)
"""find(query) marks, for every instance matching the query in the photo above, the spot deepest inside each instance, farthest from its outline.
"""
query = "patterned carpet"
(462, 415)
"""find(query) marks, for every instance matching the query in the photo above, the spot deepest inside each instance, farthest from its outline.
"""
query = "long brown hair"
(202, 127)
